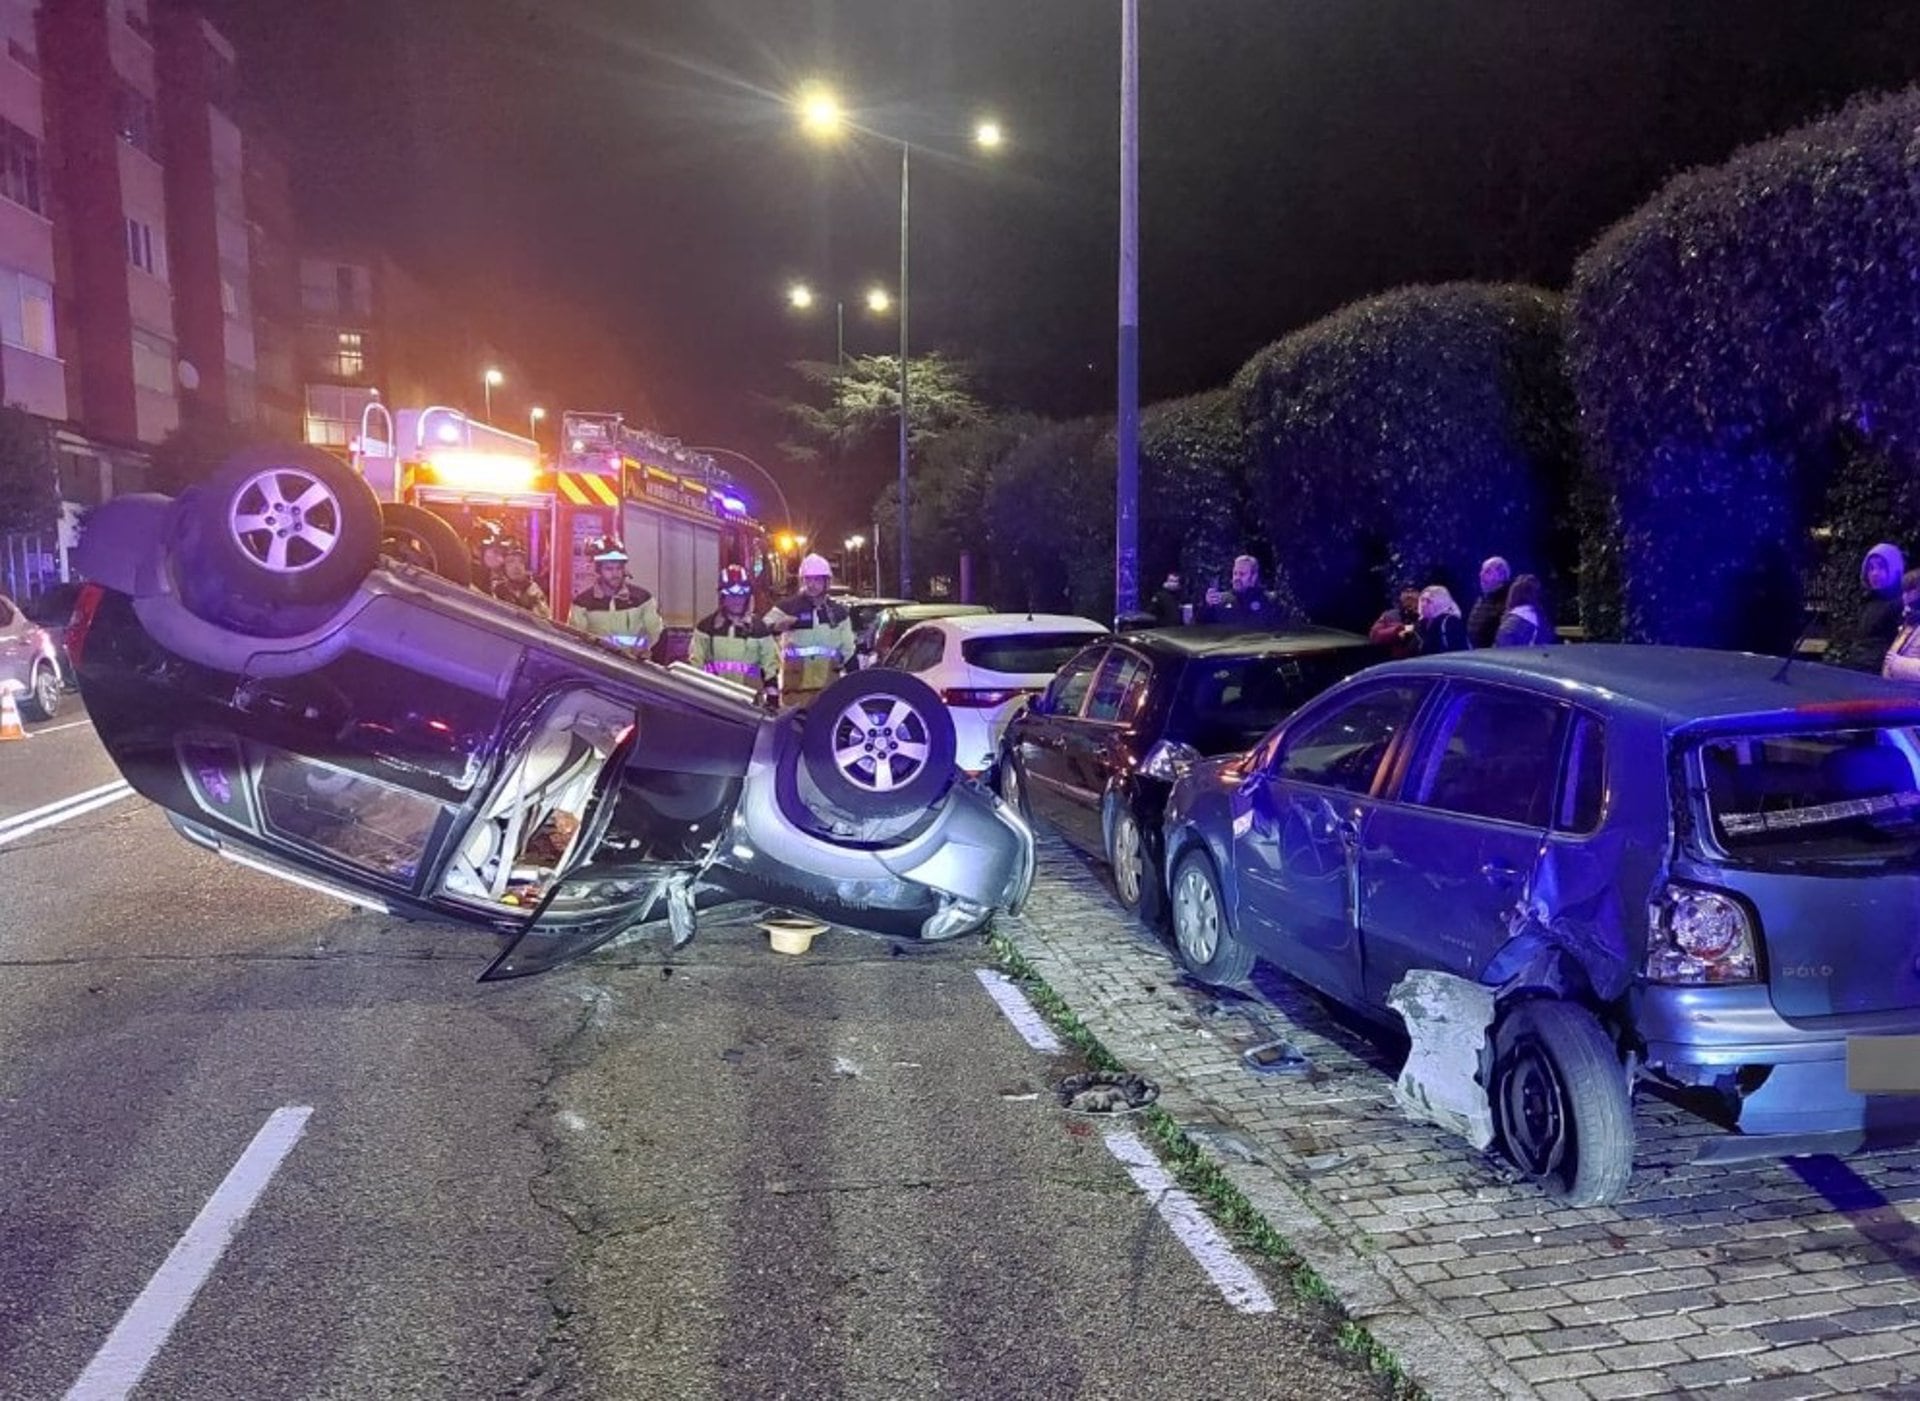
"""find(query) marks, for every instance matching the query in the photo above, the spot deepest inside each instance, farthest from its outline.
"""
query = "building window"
(317, 290)
(20, 167)
(26, 312)
(229, 299)
(140, 247)
(139, 126)
(152, 363)
(350, 358)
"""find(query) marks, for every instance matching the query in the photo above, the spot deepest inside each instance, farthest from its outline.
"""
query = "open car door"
(583, 908)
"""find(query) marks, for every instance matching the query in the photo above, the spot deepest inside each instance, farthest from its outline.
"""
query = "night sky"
(615, 190)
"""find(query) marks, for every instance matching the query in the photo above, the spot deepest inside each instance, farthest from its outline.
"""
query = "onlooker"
(1484, 621)
(1398, 629)
(1246, 602)
(1526, 623)
(1440, 628)
(1168, 601)
(1879, 619)
(1902, 661)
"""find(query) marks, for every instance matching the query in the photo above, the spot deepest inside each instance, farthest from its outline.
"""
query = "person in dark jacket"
(1167, 602)
(1398, 629)
(1246, 603)
(1484, 621)
(1440, 628)
(1526, 623)
(1879, 619)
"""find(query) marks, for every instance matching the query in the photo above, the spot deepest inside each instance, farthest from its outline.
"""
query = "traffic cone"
(10, 726)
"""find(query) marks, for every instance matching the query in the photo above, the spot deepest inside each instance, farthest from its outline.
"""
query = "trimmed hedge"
(1052, 510)
(1730, 342)
(1405, 438)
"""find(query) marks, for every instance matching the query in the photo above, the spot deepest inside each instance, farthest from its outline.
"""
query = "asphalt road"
(720, 1172)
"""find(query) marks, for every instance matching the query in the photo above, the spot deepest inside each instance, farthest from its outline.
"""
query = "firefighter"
(731, 643)
(517, 586)
(615, 610)
(490, 555)
(816, 634)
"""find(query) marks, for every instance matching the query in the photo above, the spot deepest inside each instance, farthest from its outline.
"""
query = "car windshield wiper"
(1742, 824)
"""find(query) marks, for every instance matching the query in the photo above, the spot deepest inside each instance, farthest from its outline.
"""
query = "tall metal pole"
(906, 553)
(840, 338)
(1126, 522)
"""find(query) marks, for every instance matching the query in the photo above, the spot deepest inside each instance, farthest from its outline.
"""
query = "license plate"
(1883, 1065)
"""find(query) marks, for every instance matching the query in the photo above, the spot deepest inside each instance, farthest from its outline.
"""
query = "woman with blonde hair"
(1441, 627)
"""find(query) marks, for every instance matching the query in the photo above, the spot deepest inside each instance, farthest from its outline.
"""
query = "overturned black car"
(303, 705)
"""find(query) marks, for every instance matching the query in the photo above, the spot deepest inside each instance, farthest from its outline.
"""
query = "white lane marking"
(143, 1329)
(1035, 1032)
(55, 729)
(1242, 1288)
(27, 823)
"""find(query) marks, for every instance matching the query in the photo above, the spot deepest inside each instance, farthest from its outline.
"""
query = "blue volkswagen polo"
(1701, 868)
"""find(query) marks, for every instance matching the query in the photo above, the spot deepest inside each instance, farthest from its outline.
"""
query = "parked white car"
(985, 666)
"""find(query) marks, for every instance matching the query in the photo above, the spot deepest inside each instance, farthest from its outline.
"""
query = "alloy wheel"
(285, 519)
(880, 744)
(1129, 869)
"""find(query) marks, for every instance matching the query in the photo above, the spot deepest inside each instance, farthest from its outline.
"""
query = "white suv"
(985, 667)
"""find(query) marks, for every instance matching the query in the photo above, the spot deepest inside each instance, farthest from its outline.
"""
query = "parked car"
(1695, 867)
(52, 609)
(373, 730)
(30, 661)
(890, 624)
(864, 613)
(986, 666)
(1097, 753)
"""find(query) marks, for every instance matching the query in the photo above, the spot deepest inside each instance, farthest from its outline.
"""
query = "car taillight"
(1699, 936)
(972, 698)
(83, 610)
(1168, 759)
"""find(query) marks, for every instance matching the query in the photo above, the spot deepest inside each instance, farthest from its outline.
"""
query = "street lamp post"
(852, 545)
(822, 116)
(534, 415)
(492, 379)
(1126, 506)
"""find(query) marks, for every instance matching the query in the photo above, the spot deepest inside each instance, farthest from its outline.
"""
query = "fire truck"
(679, 516)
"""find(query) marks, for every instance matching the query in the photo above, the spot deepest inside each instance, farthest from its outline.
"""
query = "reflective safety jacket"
(818, 645)
(742, 650)
(529, 596)
(628, 621)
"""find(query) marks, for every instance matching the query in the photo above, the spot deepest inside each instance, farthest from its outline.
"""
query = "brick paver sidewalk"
(1789, 1279)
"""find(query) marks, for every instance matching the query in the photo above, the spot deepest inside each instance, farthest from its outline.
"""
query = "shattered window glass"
(359, 819)
(1835, 794)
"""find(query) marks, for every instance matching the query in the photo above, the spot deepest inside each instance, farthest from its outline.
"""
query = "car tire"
(1560, 1104)
(1203, 938)
(1135, 881)
(415, 535)
(275, 540)
(43, 694)
(879, 744)
(1010, 781)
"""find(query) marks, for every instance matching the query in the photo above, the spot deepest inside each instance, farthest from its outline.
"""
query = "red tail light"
(84, 605)
(969, 699)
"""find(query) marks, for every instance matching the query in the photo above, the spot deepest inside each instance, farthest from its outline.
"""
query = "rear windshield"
(1228, 704)
(1819, 796)
(1025, 653)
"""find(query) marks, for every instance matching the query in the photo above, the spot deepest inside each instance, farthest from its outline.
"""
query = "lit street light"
(823, 118)
(852, 544)
(534, 415)
(492, 379)
(878, 302)
(800, 297)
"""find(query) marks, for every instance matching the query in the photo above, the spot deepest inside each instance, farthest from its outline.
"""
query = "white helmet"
(815, 566)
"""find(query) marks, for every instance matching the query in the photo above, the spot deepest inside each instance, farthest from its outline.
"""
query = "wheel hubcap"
(1196, 918)
(1534, 1111)
(286, 520)
(880, 743)
(1128, 870)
